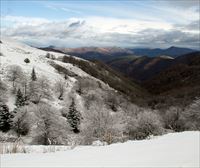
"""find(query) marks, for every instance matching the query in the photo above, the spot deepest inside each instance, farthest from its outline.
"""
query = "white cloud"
(23, 21)
(98, 31)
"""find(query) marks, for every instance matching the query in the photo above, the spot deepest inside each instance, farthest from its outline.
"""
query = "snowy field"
(171, 150)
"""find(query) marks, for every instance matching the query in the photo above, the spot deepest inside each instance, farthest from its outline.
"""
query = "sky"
(102, 23)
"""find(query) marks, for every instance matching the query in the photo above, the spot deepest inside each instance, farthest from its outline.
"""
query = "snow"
(171, 150)
(14, 53)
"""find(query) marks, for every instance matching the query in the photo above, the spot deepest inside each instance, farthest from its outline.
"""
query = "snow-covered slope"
(14, 53)
(171, 150)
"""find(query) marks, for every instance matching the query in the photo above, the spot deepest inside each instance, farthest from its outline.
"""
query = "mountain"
(94, 53)
(184, 72)
(179, 84)
(141, 68)
(52, 49)
(52, 98)
(58, 64)
(172, 51)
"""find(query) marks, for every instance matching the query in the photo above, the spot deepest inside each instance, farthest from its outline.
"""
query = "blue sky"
(124, 19)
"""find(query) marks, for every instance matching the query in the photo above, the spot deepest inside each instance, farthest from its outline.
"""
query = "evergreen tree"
(5, 118)
(74, 117)
(20, 99)
(33, 75)
(66, 77)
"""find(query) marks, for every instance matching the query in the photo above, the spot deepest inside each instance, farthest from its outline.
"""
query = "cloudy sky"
(123, 23)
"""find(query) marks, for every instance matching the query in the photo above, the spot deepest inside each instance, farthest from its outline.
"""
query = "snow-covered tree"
(74, 117)
(173, 119)
(14, 73)
(24, 86)
(45, 87)
(144, 124)
(192, 115)
(33, 75)
(5, 118)
(21, 121)
(34, 92)
(3, 91)
(60, 89)
(100, 124)
(51, 128)
(20, 100)
(40, 89)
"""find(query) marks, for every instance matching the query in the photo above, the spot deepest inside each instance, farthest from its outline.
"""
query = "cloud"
(183, 3)
(96, 31)
(192, 27)
(20, 20)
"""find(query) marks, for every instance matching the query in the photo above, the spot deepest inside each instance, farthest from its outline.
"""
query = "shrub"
(27, 60)
(144, 125)
(50, 128)
(173, 119)
(192, 116)
(100, 124)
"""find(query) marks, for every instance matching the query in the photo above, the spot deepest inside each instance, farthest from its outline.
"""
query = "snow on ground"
(14, 53)
(171, 150)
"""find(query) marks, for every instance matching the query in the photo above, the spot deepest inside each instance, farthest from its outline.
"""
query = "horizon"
(120, 23)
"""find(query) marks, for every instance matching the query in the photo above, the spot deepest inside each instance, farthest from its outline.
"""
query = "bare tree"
(40, 89)
(21, 121)
(51, 127)
(3, 90)
(45, 87)
(99, 124)
(24, 84)
(144, 124)
(173, 119)
(192, 115)
(60, 88)
(34, 92)
(14, 73)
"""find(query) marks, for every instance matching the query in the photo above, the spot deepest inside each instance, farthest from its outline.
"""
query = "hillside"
(42, 91)
(181, 80)
(171, 51)
(38, 87)
(141, 68)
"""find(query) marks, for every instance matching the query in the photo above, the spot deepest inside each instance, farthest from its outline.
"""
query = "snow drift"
(171, 150)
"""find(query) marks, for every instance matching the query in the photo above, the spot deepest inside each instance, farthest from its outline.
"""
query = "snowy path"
(171, 150)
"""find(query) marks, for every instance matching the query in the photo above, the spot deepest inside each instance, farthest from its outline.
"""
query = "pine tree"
(33, 75)
(5, 118)
(66, 77)
(74, 117)
(20, 100)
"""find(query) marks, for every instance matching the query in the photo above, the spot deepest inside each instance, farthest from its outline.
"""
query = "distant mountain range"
(144, 68)
(93, 53)
(141, 68)
(172, 51)
(179, 83)
(106, 54)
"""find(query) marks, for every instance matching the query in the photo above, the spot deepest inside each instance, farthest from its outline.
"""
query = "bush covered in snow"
(144, 124)
(174, 119)
(192, 116)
